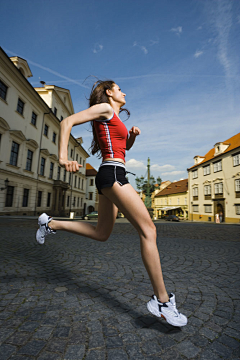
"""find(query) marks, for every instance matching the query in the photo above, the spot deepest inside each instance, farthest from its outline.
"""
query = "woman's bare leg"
(107, 213)
(130, 204)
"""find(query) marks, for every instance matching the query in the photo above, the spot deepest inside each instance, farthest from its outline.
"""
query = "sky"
(177, 61)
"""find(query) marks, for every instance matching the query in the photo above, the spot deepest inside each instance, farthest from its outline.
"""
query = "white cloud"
(199, 28)
(198, 53)
(143, 48)
(175, 172)
(97, 48)
(135, 164)
(177, 30)
(166, 167)
(153, 42)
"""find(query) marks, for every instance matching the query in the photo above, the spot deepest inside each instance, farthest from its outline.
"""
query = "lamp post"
(6, 182)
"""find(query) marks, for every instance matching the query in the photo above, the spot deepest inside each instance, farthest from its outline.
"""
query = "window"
(20, 106)
(39, 201)
(69, 180)
(42, 166)
(90, 196)
(82, 183)
(207, 190)
(71, 153)
(91, 182)
(218, 188)
(178, 201)
(48, 199)
(68, 200)
(64, 175)
(74, 201)
(75, 181)
(165, 201)
(195, 191)
(34, 119)
(51, 170)
(170, 201)
(195, 208)
(45, 130)
(206, 170)
(217, 166)
(9, 196)
(83, 163)
(237, 209)
(59, 173)
(80, 161)
(77, 157)
(194, 174)
(79, 180)
(25, 197)
(185, 201)
(3, 90)
(81, 201)
(29, 160)
(236, 159)
(61, 118)
(78, 202)
(14, 153)
(54, 136)
(55, 111)
(237, 185)
(208, 208)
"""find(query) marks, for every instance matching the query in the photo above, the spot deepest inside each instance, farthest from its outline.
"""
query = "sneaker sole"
(159, 314)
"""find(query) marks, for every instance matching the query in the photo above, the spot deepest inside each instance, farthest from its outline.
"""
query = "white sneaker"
(167, 310)
(44, 229)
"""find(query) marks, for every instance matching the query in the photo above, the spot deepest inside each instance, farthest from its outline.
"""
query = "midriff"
(115, 159)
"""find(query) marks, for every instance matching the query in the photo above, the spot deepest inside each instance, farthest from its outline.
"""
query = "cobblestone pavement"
(74, 298)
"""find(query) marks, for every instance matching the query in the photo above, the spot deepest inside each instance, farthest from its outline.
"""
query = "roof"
(180, 186)
(233, 142)
(90, 171)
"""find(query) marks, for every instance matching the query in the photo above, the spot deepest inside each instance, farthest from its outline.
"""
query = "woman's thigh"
(107, 213)
(131, 205)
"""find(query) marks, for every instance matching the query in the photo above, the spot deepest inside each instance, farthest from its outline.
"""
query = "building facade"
(91, 190)
(214, 183)
(172, 200)
(31, 179)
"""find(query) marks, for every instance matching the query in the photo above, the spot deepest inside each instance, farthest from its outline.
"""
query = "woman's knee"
(149, 232)
(103, 237)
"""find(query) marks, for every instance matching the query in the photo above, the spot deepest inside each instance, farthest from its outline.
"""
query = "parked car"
(172, 218)
(92, 215)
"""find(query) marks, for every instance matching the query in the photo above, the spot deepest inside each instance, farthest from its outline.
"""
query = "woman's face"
(117, 95)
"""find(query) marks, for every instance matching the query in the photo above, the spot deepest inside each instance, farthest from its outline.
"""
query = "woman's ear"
(108, 92)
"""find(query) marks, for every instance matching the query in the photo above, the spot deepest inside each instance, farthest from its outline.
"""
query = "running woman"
(111, 139)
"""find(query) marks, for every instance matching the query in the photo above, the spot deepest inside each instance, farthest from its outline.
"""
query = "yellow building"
(214, 183)
(31, 179)
(172, 200)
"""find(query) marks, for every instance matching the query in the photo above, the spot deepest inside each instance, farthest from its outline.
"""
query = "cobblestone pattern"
(102, 314)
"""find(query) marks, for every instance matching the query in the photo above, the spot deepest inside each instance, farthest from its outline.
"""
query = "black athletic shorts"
(109, 173)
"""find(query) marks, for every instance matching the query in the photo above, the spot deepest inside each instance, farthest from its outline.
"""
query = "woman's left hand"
(135, 131)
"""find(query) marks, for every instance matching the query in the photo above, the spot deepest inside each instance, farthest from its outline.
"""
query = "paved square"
(75, 298)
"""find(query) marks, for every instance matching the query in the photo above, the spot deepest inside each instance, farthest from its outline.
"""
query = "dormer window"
(220, 148)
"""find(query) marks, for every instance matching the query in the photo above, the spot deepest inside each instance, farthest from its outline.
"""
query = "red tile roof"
(180, 186)
(233, 142)
(90, 171)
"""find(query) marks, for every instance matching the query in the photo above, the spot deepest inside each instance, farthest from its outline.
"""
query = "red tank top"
(112, 136)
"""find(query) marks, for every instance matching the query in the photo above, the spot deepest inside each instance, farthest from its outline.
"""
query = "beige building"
(31, 179)
(91, 190)
(214, 183)
(172, 200)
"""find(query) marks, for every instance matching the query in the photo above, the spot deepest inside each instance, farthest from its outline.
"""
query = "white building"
(214, 183)
(91, 190)
(31, 179)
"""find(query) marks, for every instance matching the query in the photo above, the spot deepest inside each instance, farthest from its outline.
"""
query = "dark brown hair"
(98, 96)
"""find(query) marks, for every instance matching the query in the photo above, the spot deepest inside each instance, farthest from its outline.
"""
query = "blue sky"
(177, 61)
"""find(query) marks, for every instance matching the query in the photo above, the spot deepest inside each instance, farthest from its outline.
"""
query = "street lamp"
(6, 182)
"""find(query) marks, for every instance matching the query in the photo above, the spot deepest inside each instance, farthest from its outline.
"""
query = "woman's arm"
(135, 131)
(94, 112)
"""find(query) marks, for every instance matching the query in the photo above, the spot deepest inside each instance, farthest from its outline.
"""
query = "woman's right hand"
(71, 166)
